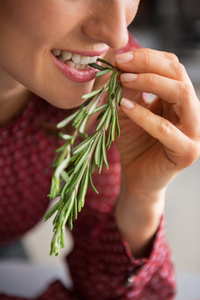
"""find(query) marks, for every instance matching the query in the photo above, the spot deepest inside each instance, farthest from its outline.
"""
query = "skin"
(31, 29)
(157, 141)
(164, 138)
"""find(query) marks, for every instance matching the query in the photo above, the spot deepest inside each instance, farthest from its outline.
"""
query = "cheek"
(39, 22)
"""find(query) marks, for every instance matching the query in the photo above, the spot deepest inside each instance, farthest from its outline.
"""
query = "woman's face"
(47, 44)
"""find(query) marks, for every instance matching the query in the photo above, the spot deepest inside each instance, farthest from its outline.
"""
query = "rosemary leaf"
(61, 167)
(52, 211)
(100, 162)
(107, 122)
(90, 180)
(103, 119)
(65, 136)
(103, 72)
(105, 62)
(80, 147)
(117, 125)
(103, 145)
(119, 95)
(96, 66)
(62, 148)
(74, 166)
(81, 160)
(91, 94)
(64, 176)
(102, 113)
(99, 108)
(67, 120)
(70, 220)
(63, 237)
(82, 190)
(75, 209)
(83, 124)
(98, 151)
(112, 128)
(112, 84)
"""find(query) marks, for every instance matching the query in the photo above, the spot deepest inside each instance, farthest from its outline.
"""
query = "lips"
(75, 65)
(75, 60)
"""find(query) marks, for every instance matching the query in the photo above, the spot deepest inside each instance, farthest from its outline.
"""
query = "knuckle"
(185, 92)
(147, 57)
(145, 116)
(191, 155)
(151, 80)
(165, 127)
(173, 57)
(180, 70)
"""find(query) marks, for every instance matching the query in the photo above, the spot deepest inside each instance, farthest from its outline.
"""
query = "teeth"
(56, 52)
(85, 60)
(66, 55)
(77, 66)
(93, 59)
(82, 66)
(74, 60)
(70, 63)
(61, 58)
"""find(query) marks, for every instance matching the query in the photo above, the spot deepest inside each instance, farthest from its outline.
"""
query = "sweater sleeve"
(55, 291)
(101, 263)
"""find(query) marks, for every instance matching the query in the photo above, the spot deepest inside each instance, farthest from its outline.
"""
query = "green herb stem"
(74, 166)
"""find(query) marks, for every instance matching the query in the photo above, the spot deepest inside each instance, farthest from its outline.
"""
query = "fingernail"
(126, 103)
(128, 77)
(123, 58)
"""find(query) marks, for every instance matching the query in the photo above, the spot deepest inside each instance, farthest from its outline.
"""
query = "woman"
(120, 250)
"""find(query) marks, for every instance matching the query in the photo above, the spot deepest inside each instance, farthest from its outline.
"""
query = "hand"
(159, 139)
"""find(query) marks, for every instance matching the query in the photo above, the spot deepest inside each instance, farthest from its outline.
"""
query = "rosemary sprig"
(74, 166)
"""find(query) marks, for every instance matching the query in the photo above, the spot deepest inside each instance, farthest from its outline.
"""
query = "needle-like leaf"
(75, 165)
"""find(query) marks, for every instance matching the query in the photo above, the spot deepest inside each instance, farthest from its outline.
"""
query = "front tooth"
(56, 52)
(77, 66)
(70, 63)
(66, 55)
(82, 67)
(85, 60)
(76, 58)
(93, 59)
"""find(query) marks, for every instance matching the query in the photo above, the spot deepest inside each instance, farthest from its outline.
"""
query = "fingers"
(174, 92)
(181, 150)
(152, 61)
(161, 74)
(152, 83)
(158, 53)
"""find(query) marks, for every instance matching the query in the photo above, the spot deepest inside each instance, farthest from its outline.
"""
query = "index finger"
(152, 61)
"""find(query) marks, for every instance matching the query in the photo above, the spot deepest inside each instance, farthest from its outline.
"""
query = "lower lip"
(74, 74)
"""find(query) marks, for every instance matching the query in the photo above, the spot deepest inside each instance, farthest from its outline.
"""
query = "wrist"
(138, 218)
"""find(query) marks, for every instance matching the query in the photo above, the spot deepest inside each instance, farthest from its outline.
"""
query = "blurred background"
(170, 25)
(174, 26)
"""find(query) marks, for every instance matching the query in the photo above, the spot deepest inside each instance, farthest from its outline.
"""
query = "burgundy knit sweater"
(101, 264)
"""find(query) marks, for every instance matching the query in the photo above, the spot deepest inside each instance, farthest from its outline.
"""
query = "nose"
(107, 23)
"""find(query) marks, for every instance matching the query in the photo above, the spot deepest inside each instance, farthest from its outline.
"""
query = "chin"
(64, 102)
(64, 98)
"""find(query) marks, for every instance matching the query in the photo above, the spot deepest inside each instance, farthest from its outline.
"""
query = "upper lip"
(86, 53)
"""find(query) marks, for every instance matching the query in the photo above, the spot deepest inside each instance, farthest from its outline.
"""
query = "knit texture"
(102, 266)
